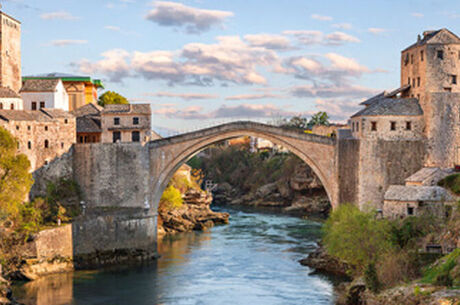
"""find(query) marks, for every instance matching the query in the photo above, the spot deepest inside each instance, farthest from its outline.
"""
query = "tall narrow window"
(12, 106)
(418, 81)
(357, 126)
(408, 80)
(440, 54)
(413, 82)
(34, 105)
(412, 59)
(421, 55)
(116, 121)
(46, 128)
(116, 136)
(29, 145)
(393, 125)
(42, 105)
(135, 136)
(47, 144)
(374, 126)
(454, 79)
(62, 145)
(135, 121)
(408, 125)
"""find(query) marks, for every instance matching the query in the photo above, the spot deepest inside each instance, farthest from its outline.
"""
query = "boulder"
(324, 263)
(266, 190)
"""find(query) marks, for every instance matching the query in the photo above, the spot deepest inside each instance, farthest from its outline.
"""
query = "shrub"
(438, 273)
(371, 278)
(451, 182)
(356, 237)
(171, 198)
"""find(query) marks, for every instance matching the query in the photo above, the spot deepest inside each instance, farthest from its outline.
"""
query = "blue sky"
(200, 62)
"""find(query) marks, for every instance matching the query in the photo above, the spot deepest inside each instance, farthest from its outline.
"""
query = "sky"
(204, 62)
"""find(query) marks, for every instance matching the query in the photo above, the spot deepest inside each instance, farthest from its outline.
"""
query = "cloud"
(338, 109)
(185, 96)
(417, 15)
(342, 26)
(331, 66)
(331, 91)
(193, 19)
(67, 42)
(224, 111)
(112, 28)
(269, 41)
(114, 65)
(252, 96)
(321, 17)
(228, 60)
(61, 15)
(308, 37)
(376, 31)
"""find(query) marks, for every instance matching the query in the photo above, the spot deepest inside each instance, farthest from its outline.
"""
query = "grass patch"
(451, 182)
(440, 270)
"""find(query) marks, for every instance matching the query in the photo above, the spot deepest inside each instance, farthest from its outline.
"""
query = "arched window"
(46, 144)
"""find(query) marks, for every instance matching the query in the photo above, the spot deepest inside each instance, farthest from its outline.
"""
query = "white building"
(44, 93)
(10, 100)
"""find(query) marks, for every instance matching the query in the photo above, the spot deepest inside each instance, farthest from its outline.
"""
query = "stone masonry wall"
(348, 162)
(383, 163)
(55, 242)
(10, 52)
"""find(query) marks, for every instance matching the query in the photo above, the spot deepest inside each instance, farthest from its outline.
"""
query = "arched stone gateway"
(167, 155)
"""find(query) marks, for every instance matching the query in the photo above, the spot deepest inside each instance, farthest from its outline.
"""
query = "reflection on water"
(253, 260)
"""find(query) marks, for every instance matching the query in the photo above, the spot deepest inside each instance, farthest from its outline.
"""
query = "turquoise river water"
(253, 260)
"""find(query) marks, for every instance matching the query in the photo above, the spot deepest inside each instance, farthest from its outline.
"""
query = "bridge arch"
(167, 155)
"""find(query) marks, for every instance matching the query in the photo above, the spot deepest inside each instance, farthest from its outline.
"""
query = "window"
(42, 105)
(408, 125)
(421, 55)
(34, 105)
(135, 136)
(46, 162)
(135, 121)
(454, 79)
(440, 54)
(406, 59)
(80, 139)
(17, 127)
(353, 126)
(12, 106)
(116, 121)
(393, 125)
(418, 81)
(1, 106)
(408, 80)
(447, 89)
(17, 145)
(374, 126)
(46, 128)
(412, 58)
(410, 211)
(47, 144)
(413, 83)
(357, 126)
(66, 121)
(28, 127)
(29, 145)
(116, 136)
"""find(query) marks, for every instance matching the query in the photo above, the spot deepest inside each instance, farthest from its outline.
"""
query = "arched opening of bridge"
(239, 171)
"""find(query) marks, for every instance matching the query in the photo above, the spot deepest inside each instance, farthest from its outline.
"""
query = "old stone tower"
(10, 52)
(430, 70)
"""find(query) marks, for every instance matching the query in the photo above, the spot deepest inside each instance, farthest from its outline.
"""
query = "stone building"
(42, 135)
(9, 99)
(88, 123)
(44, 93)
(126, 123)
(10, 52)
(81, 90)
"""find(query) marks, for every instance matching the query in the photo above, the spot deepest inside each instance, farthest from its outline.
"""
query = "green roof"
(67, 78)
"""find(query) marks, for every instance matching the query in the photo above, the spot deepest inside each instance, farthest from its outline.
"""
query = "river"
(253, 260)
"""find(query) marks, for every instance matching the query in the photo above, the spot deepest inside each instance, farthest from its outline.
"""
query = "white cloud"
(61, 15)
(338, 109)
(252, 96)
(342, 26)
(67, 42)
(417, 15)
(330, 91)
(376, 31)
(321, 17)
(269, 41)
(185, 96)
(308, 37)
(193, 19)
(112, 28)
(114, 65)
(345, 64)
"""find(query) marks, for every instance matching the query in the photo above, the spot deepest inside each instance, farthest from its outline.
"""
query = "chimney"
(419, 38)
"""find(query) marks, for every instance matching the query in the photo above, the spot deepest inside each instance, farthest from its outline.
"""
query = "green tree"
(111, 97)
(356, 237)
(15, 178)
(295, 122)
(320, 118)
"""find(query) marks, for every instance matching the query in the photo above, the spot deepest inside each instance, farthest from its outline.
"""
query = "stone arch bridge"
(135, 175)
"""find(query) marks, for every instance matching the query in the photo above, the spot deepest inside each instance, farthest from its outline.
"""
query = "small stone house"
(89, 128)
(126, 123)
(401, 201)
(44, 93)
(427, 176)
(9, 99)
(42, 135)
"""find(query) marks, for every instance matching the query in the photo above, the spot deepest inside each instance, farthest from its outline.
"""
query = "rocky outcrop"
(322, 262)
(194, 214)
